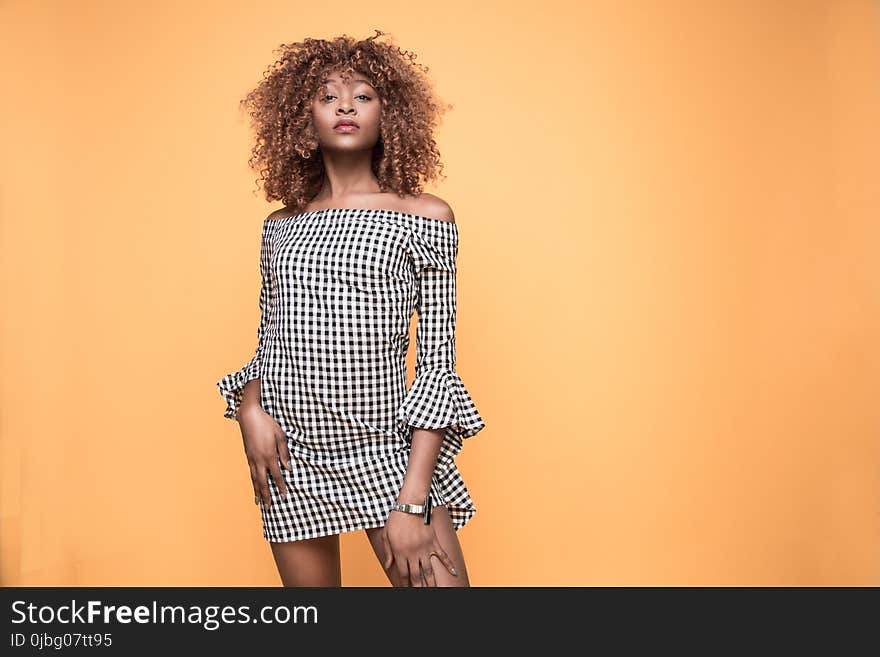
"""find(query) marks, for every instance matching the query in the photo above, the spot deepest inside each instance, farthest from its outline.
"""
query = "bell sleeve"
(438, 398)
(231, 386)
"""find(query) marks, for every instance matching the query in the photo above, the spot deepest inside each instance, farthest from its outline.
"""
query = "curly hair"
(287, 154)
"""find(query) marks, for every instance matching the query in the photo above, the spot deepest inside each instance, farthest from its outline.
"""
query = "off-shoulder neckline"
(362, 210)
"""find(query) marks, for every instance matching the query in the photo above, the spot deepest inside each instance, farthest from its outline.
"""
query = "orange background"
(668, 287)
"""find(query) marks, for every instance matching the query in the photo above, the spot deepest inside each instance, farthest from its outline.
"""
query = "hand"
(410, 543)
(264, 444)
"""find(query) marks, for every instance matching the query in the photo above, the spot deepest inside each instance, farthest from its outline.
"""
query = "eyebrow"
(334, 80)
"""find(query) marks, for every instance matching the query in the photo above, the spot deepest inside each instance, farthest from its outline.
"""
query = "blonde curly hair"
(287, 154)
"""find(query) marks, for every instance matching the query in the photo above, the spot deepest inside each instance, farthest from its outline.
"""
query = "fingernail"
(453, 572)
(256, 500)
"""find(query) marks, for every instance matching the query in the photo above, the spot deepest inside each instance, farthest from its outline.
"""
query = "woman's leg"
(310, 562)
(442, 525)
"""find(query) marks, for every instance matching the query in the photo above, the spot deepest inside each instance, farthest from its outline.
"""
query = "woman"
(334, 440)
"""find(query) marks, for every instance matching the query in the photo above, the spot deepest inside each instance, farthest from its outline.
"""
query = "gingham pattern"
(339, 287)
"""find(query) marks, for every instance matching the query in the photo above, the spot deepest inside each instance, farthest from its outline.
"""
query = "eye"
(328, 96)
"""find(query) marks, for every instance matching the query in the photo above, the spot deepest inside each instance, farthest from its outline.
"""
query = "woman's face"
(354, 100)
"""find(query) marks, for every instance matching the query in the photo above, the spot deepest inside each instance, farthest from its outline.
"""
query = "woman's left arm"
(437, 407)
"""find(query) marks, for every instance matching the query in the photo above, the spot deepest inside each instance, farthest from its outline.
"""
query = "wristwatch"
(421, 509)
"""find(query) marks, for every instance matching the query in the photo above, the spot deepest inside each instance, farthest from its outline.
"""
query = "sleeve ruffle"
(439, 400)
(232, 385)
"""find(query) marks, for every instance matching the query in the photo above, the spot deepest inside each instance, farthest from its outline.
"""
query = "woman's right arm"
(265, 443)
(233, 385)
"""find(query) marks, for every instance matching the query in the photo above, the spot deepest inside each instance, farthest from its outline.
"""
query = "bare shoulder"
(281, 214)
(432, 206)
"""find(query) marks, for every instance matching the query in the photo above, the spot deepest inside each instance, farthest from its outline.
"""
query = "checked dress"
(339, 287)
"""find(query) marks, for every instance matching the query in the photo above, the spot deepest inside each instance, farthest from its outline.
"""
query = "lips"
(345, 122)
(346, 127)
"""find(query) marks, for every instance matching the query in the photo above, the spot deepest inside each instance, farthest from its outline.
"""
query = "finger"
(415, 574)
(389, 555)
(283, 451)
(255, 484)
(403, 571)
(279, 479)
(428, 571)
(263, 483)
(441, 554)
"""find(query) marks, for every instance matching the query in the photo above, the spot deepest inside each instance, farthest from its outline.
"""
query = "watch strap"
(422, 509)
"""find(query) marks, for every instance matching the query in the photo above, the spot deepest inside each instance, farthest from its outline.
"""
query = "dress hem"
(456, 525)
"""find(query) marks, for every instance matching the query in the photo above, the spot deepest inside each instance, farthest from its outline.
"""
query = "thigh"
(310, 562)
(447, 537)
